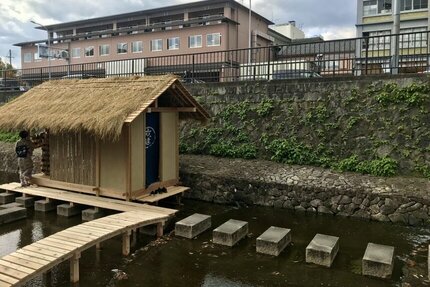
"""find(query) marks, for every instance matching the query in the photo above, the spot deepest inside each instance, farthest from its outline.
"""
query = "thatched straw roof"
(97, 106)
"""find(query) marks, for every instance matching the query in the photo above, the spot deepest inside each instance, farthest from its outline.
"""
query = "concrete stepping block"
(273, 241)
(9, 205)
(230, 232)
(322, 250)
(12, 214)
(193, 225)
(45, 205)
(91, 214)
(7, 197)
(68, 210)
(26, 201)
(378, 260)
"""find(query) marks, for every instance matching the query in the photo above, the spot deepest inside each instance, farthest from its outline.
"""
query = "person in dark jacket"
(24, 150)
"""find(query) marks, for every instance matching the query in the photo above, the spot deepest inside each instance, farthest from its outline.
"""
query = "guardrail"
(382, 54)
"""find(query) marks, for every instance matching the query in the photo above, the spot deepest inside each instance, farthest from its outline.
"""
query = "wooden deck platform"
(171, 191)
(35, 259)
(86, 199)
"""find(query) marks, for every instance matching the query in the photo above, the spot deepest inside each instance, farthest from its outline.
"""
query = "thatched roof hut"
(116, 137)
(96, 106)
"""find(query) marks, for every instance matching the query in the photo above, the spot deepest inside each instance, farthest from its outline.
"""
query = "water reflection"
(187, 263)
(9, 242)
(218, 281)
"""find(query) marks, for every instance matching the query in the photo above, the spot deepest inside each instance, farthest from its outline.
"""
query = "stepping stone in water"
(193, 225)
(378, 260)
(273, 240)
(7, 197)
(230, 232)
(12, 214)
(322, 250)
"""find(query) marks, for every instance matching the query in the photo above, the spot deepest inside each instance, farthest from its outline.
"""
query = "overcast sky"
(332, 19)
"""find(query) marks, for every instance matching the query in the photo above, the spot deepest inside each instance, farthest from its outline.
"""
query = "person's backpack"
(21, 151)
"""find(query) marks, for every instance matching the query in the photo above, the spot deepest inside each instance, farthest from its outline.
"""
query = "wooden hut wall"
(113, 160)
(73, 158)
(138, 164)
(169, 141)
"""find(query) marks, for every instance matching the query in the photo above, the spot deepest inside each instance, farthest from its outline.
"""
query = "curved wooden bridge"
(35, 259)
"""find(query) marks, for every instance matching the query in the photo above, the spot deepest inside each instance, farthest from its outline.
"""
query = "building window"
(28, 57)
(379, 40)
(89, 51)
(104, 50)
(137, 47)
(413, 38)
(370, 7)
(195, 41)
(122, 48)
(76, 52)
(213, 39)
(156, 45)
(173, 43)
(407, 5)
(37, 57)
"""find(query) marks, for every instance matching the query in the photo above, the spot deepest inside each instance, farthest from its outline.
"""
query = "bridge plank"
(50, 248)
(28, 258)
(22, 262)
(48, 242)
(16, 266)
(8, 279)
(55, 239)
(12, 272)
(32, 260)
(34, 254)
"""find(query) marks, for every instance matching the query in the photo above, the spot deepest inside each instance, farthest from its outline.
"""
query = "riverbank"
(403, 200)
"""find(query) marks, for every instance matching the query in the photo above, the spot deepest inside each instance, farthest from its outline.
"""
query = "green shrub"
(424, 170)
(8, 137)
(229, 149)
(378, 167)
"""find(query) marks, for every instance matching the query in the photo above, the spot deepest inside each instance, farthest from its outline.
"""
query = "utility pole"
(396, 37)
(10, 57)
(49, 46)
(249, 33)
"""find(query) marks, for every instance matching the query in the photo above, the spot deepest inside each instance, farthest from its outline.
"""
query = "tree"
(7, 70)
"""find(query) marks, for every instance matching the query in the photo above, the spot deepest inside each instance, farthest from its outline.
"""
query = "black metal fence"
(370, 55)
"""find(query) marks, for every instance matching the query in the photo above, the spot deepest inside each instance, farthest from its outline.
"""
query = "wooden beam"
(127, 135)
(46, 182)
(172, 110)
(74, 268)
(126, 243)
(160, 229)
(98, 167)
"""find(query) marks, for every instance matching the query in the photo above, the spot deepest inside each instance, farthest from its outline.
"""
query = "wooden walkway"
(85, 199)
(33, 260)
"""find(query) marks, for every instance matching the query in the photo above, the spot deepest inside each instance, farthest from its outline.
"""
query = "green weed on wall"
(380, 129)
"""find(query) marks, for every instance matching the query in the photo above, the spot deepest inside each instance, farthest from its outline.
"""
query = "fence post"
(268, 63)
(193, 69)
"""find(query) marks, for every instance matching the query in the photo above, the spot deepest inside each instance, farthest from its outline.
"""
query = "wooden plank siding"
(73, 158)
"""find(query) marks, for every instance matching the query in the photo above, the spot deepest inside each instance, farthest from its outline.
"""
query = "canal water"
(181, 262)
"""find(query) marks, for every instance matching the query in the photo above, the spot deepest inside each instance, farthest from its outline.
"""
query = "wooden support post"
(128, 162)
(74, 268)
(98, 246)
(160, 229)
(126, 243)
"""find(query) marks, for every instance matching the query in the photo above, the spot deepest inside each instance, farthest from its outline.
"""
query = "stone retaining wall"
(307, 189)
